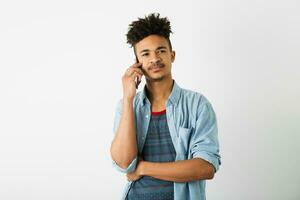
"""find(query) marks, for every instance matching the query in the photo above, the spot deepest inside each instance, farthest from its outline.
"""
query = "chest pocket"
(184, 136)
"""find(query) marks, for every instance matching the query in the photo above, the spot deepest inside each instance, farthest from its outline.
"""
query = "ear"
(173, 54)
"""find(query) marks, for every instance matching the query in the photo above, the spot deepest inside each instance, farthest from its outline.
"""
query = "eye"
(162, 51)
(145, 54)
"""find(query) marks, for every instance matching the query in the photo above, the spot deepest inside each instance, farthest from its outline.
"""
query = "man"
(165, 136)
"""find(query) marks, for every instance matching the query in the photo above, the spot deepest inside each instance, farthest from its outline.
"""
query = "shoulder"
(195, 102)
(194, 97)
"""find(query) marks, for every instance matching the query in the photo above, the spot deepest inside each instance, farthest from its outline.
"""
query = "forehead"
(151, 42)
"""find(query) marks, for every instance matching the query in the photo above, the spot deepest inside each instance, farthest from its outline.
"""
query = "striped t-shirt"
(158, 148)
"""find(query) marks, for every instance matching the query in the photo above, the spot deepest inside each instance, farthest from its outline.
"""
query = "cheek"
(144, 62)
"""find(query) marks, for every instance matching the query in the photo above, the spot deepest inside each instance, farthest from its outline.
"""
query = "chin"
(158, 78)
(155, 78)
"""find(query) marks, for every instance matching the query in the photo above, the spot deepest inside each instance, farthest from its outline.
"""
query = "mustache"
(157, 65)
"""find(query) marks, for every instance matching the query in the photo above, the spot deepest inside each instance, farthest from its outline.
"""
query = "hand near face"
(129, 78)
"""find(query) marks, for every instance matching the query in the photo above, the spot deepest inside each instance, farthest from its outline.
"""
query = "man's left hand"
(135, 175)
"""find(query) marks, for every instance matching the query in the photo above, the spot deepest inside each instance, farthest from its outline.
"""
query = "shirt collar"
(173, 98)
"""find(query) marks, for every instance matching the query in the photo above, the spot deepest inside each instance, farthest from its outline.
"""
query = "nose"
(155, 58)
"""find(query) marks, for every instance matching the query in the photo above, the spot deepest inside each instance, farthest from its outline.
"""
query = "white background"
(61, 64)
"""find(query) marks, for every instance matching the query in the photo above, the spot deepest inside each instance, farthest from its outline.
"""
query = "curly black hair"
(152, 24)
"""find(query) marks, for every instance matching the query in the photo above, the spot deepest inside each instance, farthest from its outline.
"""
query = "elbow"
(210, 176)
(123, 165)
(206, 173)
(210, 172)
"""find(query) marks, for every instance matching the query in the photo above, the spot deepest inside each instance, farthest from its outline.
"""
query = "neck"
(159, 91)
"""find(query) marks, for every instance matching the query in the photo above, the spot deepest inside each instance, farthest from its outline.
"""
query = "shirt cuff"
(129, 169)
(211, 159)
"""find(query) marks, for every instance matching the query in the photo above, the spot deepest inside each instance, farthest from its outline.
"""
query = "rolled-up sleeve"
(117, 119)
(204, 143)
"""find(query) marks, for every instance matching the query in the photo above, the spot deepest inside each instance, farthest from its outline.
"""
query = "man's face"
(156, 57)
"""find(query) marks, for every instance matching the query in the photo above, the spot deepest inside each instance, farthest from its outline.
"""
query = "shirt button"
(146, 116)
(143, 138)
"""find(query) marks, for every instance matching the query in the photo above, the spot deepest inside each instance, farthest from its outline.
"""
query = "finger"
(131, 71)
(134, 75)
(136, 69)
(136, 65)
(139, 70)
(128, 178)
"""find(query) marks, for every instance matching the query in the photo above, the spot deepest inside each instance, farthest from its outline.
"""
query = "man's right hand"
(129, 80)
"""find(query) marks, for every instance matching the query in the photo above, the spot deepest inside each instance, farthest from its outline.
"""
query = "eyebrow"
(158, 48)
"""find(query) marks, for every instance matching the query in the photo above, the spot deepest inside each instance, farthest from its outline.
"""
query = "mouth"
(156, 68)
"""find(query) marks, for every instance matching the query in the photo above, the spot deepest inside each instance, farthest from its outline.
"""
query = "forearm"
(178, 171)
(124, 145)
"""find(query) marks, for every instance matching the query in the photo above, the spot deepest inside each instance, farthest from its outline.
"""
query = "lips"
(156, 67)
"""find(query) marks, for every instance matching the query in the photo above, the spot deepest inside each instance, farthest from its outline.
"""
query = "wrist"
(127, 100)
(142, 168)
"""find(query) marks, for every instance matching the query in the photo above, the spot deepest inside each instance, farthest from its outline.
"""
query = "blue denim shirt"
(193, 129)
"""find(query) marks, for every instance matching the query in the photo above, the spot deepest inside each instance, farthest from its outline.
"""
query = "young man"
(165, 136)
